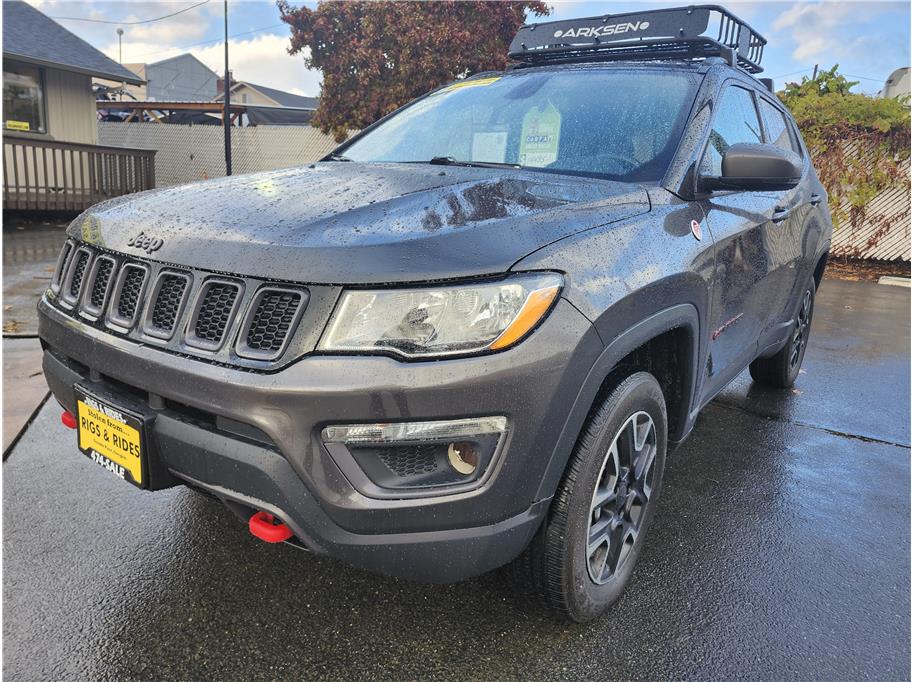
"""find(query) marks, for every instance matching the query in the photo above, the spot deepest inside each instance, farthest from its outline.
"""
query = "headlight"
(446, 320)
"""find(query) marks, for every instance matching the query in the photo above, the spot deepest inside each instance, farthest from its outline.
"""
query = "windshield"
(617, 124)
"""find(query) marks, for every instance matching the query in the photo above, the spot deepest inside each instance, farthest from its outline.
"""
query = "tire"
(558, 565)
(781, 370)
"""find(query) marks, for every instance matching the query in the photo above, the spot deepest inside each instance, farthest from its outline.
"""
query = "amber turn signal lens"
(537, 304)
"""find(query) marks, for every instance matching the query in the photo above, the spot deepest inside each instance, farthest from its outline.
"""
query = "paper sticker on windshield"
(540, 138)
(471, 84)
(489, 147)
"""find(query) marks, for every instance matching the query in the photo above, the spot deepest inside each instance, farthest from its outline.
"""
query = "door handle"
(780, 213)
(816, 199)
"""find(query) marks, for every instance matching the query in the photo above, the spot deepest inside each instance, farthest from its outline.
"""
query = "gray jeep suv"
(472, 333)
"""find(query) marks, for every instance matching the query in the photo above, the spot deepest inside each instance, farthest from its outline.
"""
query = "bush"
(859, 144)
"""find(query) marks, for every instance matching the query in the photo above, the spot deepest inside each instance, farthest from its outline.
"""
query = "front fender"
(682, 316)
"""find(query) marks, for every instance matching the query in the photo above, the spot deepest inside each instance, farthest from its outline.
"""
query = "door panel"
(743, 289)
(750, 248)
(785, 235)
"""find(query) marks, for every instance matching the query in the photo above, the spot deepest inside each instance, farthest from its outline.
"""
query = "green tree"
(859, 144)
(377, 56)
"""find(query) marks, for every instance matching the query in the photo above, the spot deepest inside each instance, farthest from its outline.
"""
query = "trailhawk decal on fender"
(726, 325)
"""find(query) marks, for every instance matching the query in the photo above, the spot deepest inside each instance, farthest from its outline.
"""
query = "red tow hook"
(266, 527)
(68, 419)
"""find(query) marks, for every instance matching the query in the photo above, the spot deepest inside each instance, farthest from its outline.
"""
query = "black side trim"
(681, 316)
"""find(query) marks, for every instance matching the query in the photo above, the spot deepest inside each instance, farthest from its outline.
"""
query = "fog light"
(462, 457)
(412, 455)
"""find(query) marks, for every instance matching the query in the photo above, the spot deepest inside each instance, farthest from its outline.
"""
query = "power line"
(849, 75)
(792, 73)
(865, 78)
(132, 23)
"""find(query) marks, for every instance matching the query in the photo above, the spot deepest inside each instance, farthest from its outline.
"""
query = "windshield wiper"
(338, 157)
(450, 161)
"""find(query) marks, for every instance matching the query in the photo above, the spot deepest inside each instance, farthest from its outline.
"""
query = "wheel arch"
(676, 324)
(821, 266)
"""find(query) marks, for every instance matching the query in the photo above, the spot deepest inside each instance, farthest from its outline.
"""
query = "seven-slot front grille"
(167, 304)
(60, 270)
(79, 268)
(215, 311)
(98, 285)
(102, 279)
(183, 310)
(266, 330)
(76, 271)
(127, 294)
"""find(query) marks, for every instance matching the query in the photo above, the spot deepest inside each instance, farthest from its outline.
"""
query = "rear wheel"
(781, 370)
(582, 558)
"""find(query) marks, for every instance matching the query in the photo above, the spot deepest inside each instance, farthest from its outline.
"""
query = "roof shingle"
(286, 99)
(33, 37)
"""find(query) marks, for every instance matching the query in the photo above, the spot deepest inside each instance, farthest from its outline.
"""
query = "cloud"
(192, 25)
(823, 29)
(265, 60)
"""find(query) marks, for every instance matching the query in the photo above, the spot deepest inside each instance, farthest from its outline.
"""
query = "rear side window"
(736, 122)
(796, 139)
(777, 130)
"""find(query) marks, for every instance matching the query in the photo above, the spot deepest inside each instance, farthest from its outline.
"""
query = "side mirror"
(757, 168)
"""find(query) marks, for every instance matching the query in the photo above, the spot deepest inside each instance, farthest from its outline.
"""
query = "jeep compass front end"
(470, 332)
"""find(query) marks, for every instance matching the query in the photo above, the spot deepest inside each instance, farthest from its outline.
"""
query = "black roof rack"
(673, 33)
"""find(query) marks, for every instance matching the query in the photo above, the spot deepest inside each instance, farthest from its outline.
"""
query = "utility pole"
(226, 118)
(120, 59)
(814, 77)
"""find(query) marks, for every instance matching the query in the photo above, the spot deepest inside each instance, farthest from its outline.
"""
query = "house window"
(23, 98)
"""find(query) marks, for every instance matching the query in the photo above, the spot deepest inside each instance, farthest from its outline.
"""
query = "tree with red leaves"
(377, 56)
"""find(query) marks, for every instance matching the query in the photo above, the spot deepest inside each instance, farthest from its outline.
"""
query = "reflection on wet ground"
(780, 551)
(29, 255)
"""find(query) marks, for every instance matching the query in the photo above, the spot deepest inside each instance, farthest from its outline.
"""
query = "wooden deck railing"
(44, 175)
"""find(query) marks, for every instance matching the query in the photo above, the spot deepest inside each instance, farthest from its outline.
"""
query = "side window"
(777, 130)
(797, 144)
(736, 121)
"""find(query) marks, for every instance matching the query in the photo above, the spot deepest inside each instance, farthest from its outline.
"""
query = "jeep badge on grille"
(145, 242)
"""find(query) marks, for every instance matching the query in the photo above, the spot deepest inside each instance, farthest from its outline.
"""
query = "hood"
(351, 223)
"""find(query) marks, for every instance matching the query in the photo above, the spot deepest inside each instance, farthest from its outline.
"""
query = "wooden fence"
(44, 175)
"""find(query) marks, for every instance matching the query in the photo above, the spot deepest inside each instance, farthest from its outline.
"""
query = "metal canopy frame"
(671, 33)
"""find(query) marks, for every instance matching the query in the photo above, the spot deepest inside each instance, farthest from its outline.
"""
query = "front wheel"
(781, 370)
(583, 557)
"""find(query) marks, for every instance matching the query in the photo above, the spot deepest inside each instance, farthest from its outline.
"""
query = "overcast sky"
(867, 39)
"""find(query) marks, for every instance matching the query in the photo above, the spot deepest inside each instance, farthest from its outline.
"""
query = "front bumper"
(203, 409)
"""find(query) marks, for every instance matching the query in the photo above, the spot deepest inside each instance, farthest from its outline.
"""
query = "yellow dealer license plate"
(111, 437)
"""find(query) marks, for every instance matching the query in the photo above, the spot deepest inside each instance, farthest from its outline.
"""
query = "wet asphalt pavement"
(780, 551)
